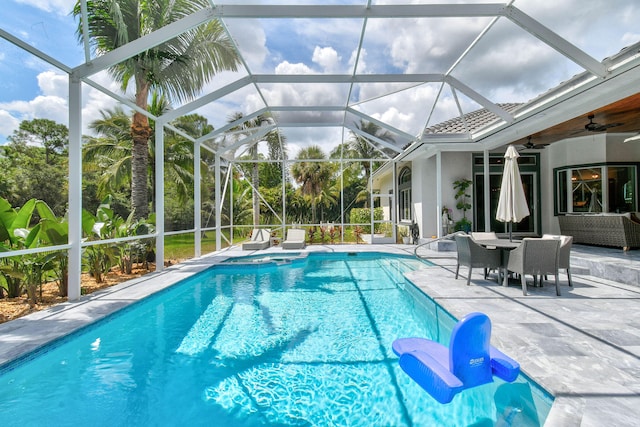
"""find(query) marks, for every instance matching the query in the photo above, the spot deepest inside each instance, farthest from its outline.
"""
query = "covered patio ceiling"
(319, 68)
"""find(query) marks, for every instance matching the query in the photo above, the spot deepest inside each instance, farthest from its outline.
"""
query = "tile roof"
(469, 122)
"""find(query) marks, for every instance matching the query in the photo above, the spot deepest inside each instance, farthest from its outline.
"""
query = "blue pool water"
(292, 342)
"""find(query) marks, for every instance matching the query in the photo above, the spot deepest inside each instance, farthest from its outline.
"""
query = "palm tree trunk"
(140, 132)
(313, 210)
(256, 201)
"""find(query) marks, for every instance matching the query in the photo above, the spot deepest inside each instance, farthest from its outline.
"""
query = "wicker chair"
(473, 255)
(564, 254)
(606, 229)
(536, 257)
(484, 235)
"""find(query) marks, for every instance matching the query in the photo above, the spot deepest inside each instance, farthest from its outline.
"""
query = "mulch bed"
(13, 308)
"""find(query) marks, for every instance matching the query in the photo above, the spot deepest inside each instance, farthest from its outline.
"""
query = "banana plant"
(54, 231)
(99, 258)
(12, 268)
(27, 272)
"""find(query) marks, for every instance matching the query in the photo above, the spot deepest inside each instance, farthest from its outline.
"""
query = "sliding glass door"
(529, 226)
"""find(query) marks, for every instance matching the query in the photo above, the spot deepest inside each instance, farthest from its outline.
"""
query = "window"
(596, 188)
(404, 194)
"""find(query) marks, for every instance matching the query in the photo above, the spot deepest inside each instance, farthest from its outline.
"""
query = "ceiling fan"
(531, 146)
(596, 127)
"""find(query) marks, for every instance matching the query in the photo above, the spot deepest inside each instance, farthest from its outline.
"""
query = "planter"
(376, 238)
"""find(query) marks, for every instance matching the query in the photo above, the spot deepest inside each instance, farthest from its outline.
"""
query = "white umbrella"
(512, 204)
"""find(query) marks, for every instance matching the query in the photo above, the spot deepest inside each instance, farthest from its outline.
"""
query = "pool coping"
(578, 401)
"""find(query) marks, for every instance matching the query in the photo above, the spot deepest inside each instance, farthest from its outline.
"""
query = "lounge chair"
(537, 257)
(260, 239)
(295, 239)
(469, 361)
(473, 255)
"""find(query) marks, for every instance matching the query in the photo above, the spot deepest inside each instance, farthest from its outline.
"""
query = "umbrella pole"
(510, 230)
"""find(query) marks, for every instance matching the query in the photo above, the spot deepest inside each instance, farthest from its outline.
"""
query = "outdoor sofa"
(603, 229)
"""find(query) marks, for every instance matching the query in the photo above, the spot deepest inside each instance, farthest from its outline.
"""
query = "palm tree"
(365, 148)
(110, 153)
(275, 145)
(312, 176)
(178, 68)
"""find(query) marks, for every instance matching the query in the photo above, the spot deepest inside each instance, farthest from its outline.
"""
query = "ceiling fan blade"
(611, 125)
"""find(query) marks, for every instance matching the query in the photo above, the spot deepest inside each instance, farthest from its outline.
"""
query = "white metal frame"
(601, 83)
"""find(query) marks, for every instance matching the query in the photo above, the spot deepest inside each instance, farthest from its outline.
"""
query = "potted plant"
(403, 232)
(461, 186)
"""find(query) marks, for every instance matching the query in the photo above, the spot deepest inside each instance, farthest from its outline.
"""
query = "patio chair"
(536, 257)
(484, 235)
(564, 253)
(295, 239)
(260, 239)
(472, 255)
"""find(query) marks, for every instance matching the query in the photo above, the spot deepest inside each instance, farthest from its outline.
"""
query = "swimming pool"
(297, 341)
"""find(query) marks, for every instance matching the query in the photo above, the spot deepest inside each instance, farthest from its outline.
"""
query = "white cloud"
(61, 7)
(8, 123)
(52, 102)
(251, 41)
(288, 68)
(53, 84)
(328, 59)
(362, 60)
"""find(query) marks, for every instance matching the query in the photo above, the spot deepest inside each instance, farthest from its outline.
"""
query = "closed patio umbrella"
(512, 204)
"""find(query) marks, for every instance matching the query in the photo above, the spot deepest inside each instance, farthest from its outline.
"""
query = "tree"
(177, 68)
(312, 175)
(110, 152)
(365, 148)
(54, 137)
(30, 169)
(275, 146)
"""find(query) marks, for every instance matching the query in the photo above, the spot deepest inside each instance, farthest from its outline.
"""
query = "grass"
(181, 246)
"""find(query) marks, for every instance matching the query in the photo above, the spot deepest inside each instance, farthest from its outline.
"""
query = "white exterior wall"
(596, 148)
(384, 184)
(425, 192)
(423, 189)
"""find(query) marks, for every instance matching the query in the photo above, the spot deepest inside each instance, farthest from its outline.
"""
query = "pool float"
(469, 361)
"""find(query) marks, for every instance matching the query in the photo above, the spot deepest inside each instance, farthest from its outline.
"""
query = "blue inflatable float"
(469, 361)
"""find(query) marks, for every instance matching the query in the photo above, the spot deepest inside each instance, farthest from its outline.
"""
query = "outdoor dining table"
(504, 245)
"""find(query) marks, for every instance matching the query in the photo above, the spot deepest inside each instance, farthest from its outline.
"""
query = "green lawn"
(181, 246)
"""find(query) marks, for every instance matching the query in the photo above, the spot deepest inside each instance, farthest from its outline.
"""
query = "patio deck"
(583, 347)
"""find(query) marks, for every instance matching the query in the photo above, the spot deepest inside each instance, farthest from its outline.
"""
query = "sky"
(506, 65)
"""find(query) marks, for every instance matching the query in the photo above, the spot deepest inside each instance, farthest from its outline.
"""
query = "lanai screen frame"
(434, 144)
